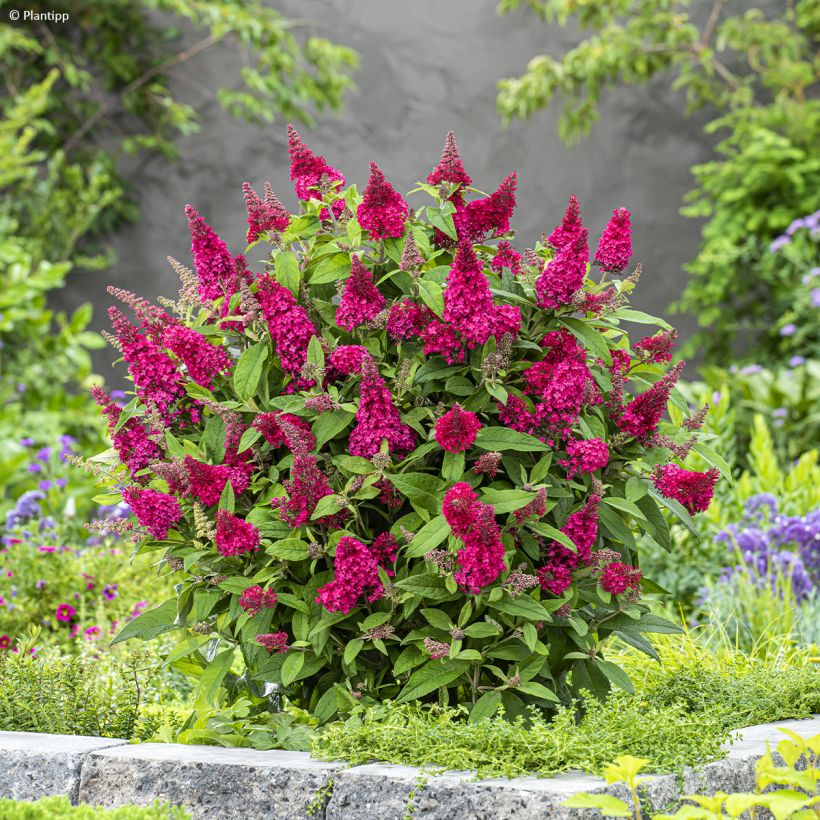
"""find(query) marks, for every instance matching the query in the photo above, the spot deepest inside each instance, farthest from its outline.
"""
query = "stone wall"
(427, 66)
(222, 784)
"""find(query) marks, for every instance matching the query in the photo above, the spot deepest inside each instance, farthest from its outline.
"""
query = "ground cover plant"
(405, 461)
(52, 808)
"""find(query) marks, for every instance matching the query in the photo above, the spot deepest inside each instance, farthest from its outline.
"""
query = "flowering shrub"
(57, 575)
(403, 460)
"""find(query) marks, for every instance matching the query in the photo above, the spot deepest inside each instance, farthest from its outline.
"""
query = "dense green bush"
(755, 70)
(59, 808)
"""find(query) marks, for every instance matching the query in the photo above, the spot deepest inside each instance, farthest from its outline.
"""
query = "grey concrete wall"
(427, 66)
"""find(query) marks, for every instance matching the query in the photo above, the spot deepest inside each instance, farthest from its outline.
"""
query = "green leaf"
(214, 674)
(495, 439)
(646, 623)
(714, 459)
(624, 506)
(677, 510)
(331, 269)
(639, 318)
(452, 466)
(292, 666)
(329, 425)
(428, 537)
(151, 623)
(432, 296)
(352, 649)
(523, 606)
(485, 707)
(506, 501)
(538, 690)
(315, 354)
(482, 629)
(249, 438)
(616, 675)
(425, 586)
(433, 675)
(551, 532)
(441, 221)
(248, 370)
(288, 549)
(354, 464)
(287, 271)
(328, 505)
(608, 805)
(437, 618)
(424, 491)
(590, 338)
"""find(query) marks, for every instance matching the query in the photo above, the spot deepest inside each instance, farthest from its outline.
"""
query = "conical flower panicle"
(361, 300)
(570, 226)
(615, 246)
(307, 170)
(383, 212)
(450, 167)
(264, 215)
(564, 275)
(491, 213)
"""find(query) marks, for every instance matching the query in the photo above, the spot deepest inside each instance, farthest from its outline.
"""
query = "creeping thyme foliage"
(427, 451)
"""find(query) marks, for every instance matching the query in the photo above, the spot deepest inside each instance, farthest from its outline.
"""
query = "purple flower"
(43, 454)
(45, 484)
(788, 330)
(110, 592)
(27, 442)
(751, 370)
(35, 468)
(780, 412)
(779, 243)
(815, 297)
(796, 361)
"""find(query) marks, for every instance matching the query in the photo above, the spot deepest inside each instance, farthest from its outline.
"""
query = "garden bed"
(226, 783)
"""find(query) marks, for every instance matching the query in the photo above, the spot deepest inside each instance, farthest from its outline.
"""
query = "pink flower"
(442, 340)
(516, 415)
(467, 298)
(92, 633)
(5, 642)
(383, 211)
(217, 271)
(506, 256)
(64, 613)
(456, 430)
(305, 487)
(564, 275)
(307, 170)
(203, 361)
(135, 448)
(537, 508)
(642, 414)
(450, 167)
(585, 456)
(356, 575)
(290, 327)
(570, 227)
(582, 528)
(618, 577)
(458, 508)
(156, 378)
(657, 348)
(274, 641)
(155, 511)
(692, 489)
(206, 481)
(284, 428)
(234, 535)
(436, 649)
(491, 213)
(347, 360)
(407, 320)
(615, 246)
(377, 418)
(384, 549)
(505, 319)
(264, 215)
(482, 557)
(555, 578)
(254, 599)
(361, 301)
(411, 259)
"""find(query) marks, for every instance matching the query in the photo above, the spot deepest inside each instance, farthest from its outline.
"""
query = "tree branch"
(135, 84)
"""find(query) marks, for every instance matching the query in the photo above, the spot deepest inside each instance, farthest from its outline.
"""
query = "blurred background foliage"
(756, 73)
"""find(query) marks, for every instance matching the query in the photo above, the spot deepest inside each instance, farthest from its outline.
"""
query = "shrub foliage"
(405, 461)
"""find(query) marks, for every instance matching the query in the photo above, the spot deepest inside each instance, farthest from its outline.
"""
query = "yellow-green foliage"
(58, 808)
(797, 783)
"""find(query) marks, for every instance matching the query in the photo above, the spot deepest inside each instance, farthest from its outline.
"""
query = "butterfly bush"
(389, 454)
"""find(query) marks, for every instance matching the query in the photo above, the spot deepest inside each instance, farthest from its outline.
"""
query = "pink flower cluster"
(305, 487)
(234, 535)
(383, 211)
(274, 642)
(618, 578)
(456, 430)
(692, 489)
(361, 300)
(356, 576)
(506, 256)
(482, 557)
(264, 215)
(615, 246)
(642, 414)
(307, 171)
(203, 360)
(156, 511)
(136, 450)
(290, 327)
(555, 575)
(347, 360)
(285, 429)
(254, 599)
(407, 320)
(585, 456)
(657, 348)
(564, 275)
(377, 418)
